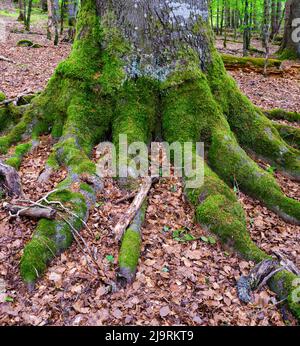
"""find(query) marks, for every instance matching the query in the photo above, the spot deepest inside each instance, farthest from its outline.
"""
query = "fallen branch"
(17, 99)
(31, 212)
(3, 58)
(135, 206)
(10, 180)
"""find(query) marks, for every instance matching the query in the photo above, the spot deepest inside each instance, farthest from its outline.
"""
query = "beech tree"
(135, 65)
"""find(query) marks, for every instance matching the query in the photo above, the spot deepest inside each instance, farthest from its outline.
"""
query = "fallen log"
(10, 181)
(31, 212)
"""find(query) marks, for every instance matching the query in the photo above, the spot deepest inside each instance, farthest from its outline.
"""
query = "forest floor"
(177, 283)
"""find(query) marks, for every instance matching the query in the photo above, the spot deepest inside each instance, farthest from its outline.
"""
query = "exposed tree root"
(253, 130)
(21, 99)
(234, 62)
(290, 134)
(133, 209)
(131, 247)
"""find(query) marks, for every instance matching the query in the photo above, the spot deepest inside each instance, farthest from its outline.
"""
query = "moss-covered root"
(290, 134)
(131, 247)
(53, 236)
(287, 285)
(20, 151)
(281, 114)
(252, 128)
(234, 166)
(218, 210)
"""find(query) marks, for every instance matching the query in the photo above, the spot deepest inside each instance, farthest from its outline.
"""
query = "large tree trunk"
(136, 64)
(290, 48)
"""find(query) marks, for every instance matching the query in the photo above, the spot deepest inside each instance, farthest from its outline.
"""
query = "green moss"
(287, 285)
(218, 210)
(253, 130)
(231, 60)
(25, 43)
(36, 45)
(35, 257)
(15, 135)
(86, 187)
(130, 250)
(52, 236)
(14, 162)
(135, 113)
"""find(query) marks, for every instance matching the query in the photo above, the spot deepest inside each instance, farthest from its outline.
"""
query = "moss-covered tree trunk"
(135, 64)
(290, 48)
